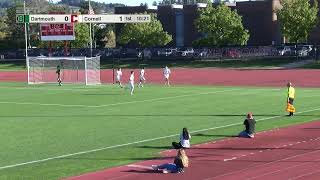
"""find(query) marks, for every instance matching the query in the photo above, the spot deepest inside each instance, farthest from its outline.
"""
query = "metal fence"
(168, 53)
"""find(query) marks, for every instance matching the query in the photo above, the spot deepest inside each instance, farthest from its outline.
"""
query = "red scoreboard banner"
(57, 32)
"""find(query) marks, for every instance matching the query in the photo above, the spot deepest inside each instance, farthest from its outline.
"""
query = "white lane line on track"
(272, 162)
(273, 172)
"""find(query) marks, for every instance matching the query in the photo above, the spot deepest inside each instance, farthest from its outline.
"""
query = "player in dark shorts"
(58, 72)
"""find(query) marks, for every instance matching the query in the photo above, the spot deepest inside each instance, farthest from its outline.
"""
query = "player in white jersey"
(131, 82)
(166, 74)
(142, 78)
(118, 77)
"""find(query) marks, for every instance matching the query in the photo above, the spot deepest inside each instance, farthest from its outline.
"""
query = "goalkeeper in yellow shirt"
(290, 99)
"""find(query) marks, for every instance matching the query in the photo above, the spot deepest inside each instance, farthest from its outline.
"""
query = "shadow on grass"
(159, 115)
(104, 94)
(214, 135)
(115, 159)
(156, 147)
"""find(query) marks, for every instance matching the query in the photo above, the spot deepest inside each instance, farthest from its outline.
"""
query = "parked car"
(309, 47)
(284, 50)
(202, 53)
(186, 52)
(167, 52)
(302, 51)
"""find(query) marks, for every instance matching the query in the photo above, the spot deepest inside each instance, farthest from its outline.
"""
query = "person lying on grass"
(184, 140)
(180, 162)
(250, 126)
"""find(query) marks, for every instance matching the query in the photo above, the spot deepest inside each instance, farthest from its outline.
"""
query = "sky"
(126, 2)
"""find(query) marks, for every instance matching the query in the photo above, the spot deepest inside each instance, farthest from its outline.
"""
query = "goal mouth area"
(71, 70)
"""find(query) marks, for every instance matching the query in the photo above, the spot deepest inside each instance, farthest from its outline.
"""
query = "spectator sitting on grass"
(250, 126)
(180, 162)
(184, 140)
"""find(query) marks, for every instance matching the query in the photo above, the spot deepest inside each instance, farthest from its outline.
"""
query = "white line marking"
(120, 103)
(307, 174)
(273, 172)
(233, 158)
(136, 142)
(272, 162)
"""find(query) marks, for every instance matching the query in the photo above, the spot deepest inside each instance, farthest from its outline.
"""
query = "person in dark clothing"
(58, 72)
(184, 140)
(250, 126)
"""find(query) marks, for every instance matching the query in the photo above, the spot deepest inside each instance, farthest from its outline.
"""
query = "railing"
(159, 53)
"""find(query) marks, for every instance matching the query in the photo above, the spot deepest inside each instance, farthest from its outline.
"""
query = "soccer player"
(118, 77)
(290, 99)
(131, 82)
(142, 78)
(58, 72)
(166, 74)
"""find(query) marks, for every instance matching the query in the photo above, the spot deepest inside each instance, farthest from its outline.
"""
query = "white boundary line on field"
(138, 142)
(114, 104)
(122, 103)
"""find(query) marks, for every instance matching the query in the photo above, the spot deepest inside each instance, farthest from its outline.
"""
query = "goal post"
(74, 70)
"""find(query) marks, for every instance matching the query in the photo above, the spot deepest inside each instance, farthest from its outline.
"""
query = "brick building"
(258, 17)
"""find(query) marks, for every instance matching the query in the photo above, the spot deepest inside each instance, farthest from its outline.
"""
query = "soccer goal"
(74, 70)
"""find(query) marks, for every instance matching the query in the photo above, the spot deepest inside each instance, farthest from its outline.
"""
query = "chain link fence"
(225, 53)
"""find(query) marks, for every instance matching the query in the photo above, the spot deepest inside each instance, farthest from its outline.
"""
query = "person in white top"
(184, 140)
(131, 82)
(166, 74)
(142, 78)
(118, 77)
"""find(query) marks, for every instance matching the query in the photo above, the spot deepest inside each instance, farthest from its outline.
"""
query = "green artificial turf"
(47, 121)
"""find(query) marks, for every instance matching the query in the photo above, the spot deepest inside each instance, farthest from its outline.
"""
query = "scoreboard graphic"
(57, 32)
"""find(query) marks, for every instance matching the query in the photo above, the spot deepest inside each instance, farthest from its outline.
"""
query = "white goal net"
(74, 70)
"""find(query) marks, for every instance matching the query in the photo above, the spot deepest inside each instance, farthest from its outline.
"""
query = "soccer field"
(51, 132)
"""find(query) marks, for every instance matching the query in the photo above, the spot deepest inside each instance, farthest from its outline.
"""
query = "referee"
(290, 99)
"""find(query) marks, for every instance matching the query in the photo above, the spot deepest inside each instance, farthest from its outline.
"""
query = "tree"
(105, 35)
(154, 3)
(145, 34)
(220, 26)
(110, 40)
(82, 36)
(3, 28)
(15, 30)
(297, 19)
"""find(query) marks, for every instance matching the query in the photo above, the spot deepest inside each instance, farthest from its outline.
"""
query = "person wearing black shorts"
(58, 72)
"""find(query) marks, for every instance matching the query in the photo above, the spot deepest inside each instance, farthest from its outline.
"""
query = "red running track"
(288, 153)
(208, 76)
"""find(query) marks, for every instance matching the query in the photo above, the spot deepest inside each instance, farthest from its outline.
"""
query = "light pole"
(26, 40)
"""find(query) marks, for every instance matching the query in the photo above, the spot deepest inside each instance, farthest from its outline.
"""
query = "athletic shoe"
(165, 171)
